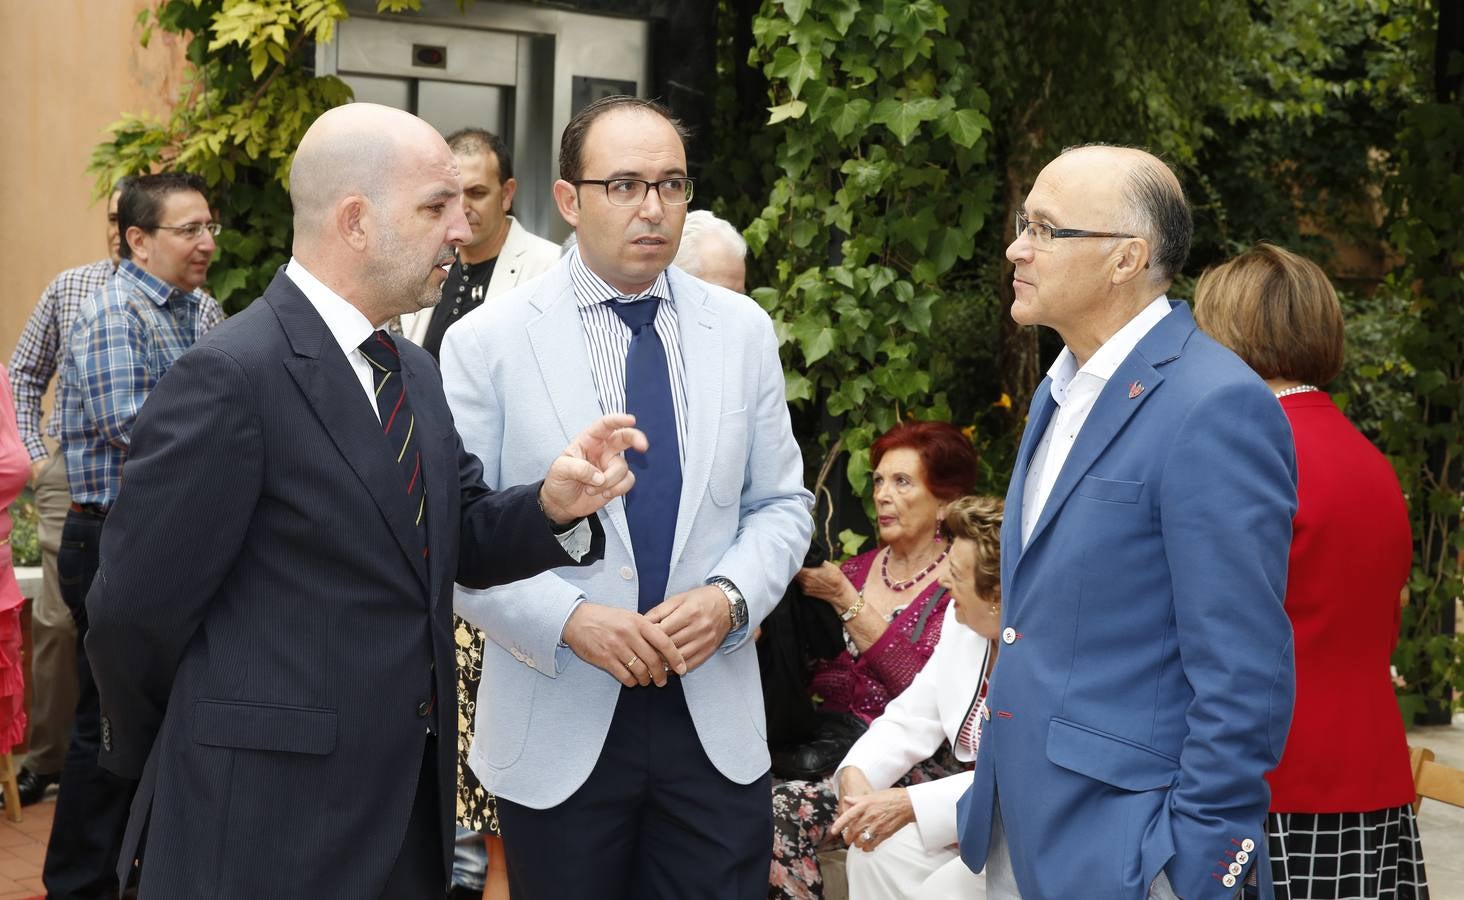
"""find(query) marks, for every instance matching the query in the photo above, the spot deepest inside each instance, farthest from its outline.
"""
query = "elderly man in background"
(37, 358)
(124, 339)
(714, 251)
(1145, 681)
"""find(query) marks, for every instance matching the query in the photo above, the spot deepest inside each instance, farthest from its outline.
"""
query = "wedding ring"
(866, 835)
(630, 663)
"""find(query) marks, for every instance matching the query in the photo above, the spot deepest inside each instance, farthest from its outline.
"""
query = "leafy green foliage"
(247, 100)
(883, 184)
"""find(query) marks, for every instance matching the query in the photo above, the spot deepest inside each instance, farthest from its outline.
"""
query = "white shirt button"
(1247, 845)
(1242, 857)
(1228, 881)
(626, 573)
(1008, 635)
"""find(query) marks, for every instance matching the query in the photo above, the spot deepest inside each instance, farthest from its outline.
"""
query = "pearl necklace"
(1299, 389)
(884, 571)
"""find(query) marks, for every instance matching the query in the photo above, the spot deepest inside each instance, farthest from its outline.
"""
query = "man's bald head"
(350, 150)
(1150, 198)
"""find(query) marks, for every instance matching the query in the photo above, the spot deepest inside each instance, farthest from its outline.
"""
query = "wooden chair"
(1434, 780)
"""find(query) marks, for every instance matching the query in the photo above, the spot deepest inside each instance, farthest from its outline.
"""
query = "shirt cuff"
(562, 653)
(576, 541)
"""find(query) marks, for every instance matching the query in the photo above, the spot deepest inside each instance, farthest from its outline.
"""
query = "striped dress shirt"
(125, 338)
(607, 339)
(38, 353)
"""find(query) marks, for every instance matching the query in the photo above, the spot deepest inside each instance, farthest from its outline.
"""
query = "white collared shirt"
(345, 322)
(1075, 391)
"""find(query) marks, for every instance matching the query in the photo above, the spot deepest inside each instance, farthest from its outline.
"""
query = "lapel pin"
(1135, 389)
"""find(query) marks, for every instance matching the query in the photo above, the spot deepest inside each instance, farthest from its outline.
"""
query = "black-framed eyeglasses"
(632, 191)
(1043, 234)
(192, 231)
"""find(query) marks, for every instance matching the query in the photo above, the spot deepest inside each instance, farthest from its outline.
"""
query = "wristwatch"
(736, 605)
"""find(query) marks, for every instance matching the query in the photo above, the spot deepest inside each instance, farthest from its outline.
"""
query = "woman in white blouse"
(902, 840)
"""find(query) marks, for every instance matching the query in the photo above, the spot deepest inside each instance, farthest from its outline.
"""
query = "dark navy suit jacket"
(267, 633)
(1145, 680)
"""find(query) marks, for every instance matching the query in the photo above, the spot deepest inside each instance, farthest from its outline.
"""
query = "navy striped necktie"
(651, 506)
(397, 422)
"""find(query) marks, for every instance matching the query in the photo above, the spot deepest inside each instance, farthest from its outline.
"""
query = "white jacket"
(913, 725)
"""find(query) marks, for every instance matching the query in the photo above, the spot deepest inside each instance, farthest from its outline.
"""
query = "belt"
(95, 510)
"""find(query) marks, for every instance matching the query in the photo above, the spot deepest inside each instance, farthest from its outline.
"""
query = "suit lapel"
(439, 469)
(701, 355)
(1134, 382)
(557, 340)
(1038, 415)
(334, 394)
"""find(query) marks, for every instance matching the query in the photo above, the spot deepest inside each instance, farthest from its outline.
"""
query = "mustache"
(447, 256)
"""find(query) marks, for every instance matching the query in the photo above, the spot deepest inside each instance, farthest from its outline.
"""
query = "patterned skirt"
(476, 809)
(1339, 856)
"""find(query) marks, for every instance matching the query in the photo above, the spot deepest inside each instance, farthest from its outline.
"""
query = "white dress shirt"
(1075, 391)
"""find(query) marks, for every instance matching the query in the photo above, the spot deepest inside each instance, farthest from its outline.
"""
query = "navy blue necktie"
(651, 505)
(397, 422)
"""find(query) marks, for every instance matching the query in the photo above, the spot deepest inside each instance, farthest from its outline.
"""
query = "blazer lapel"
(1132, 384)
(330, 386)
(1039, 414)
(440, 469)
(701, 354)
(557, 340)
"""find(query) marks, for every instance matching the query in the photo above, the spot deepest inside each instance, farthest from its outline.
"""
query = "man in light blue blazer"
(620, 719)
(1145, 680)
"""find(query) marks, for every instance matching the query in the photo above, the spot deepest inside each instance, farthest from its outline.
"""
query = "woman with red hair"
(891, 603)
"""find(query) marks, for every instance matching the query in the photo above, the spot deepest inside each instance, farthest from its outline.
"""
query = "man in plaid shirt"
(37, 357)
(124, 338)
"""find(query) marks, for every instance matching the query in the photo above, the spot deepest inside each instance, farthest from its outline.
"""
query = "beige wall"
(69, 68)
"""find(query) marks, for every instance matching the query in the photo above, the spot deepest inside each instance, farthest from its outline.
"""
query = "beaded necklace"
(884, 571)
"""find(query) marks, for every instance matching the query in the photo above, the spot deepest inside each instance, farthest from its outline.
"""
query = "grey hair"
(701, 225)
(1156, 211)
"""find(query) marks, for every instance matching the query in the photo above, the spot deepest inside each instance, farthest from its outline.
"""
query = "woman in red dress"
(14, 471)
(1341, 821)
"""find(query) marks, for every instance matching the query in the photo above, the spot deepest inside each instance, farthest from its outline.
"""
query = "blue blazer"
(1145, 681)
(518, 379)
(267, 634)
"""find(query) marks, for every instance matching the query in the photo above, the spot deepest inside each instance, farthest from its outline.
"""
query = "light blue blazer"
(1145, 680)
(518, 379)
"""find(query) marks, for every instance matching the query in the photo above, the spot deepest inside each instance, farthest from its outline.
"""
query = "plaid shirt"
(125, 338)
(37, 354)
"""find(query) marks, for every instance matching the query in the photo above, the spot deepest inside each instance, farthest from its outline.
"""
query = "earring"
(996, 608)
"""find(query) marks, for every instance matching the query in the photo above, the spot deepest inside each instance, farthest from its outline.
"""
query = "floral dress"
(476, 809)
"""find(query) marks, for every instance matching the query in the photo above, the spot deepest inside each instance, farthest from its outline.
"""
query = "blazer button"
(626, 573)
(106, 734)
(423, 709)
(1008, 635)
(1235, 869)
(1242, 857)
(1228, 881)
(1247, 845)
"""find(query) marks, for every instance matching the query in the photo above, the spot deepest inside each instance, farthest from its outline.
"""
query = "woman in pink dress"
(14, 471)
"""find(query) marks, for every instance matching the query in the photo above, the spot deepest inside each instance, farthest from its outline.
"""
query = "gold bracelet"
(849, 614)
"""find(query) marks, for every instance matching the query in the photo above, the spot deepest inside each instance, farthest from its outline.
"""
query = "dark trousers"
(92, 807)
(420, 870)
(655, 820)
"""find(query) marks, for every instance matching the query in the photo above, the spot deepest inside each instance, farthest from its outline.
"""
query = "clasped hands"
(679, 634)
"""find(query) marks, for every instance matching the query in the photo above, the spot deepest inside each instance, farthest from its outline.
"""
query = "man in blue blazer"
(1145, 681)
(271, 626)
(620, 718)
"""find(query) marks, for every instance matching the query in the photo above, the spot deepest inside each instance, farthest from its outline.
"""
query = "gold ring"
(630, 663)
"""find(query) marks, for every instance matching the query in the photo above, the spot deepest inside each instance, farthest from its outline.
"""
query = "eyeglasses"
(192, 231)
(1043, 234)
(632, 191)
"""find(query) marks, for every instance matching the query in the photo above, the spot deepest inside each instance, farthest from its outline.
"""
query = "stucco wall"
(69, 68)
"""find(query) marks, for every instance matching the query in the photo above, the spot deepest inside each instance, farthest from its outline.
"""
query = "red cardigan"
(1351, 551)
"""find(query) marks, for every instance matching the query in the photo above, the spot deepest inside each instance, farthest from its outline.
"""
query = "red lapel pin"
(1135, 389)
